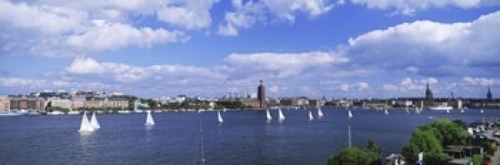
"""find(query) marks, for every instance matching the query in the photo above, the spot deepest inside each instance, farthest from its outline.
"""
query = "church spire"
(428, 96)
(489, 96)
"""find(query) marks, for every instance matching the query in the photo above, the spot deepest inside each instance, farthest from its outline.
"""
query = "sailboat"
(281, 117)
(94, 122)
(311, 116)
(386, 112)
(462, 110)
(85, 125)
(149, 119)
(268, 115)
(482, 111)
(320, 113)
(417, 110)
(447, 111)
(406, 109)
(219, 117)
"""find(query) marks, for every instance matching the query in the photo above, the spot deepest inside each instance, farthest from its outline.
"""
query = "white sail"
(407, 111)
(462, 110)
(94, 122)
(219, 117)
(149, 119)
(447, 111)
(482, 111)
(386, 112)
(268, 115)
(85, 125)
(320, 113)
(281, 117)
(311, 116)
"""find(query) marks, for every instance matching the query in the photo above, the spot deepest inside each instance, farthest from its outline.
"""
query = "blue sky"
(313, 48)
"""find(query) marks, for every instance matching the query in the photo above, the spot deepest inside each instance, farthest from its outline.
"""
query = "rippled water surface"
(244, 138)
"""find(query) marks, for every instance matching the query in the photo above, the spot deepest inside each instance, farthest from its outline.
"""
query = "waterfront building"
(60, 103)
(251, 103)
(107, 103)
(117, 103)
(376, 104)
(286, 101)
(261, 95)
(274, 102)
(315, 103)
(78, 102)
(94, 102)
(300, 101)
(403, 102)
(4, 103)
(29, 103)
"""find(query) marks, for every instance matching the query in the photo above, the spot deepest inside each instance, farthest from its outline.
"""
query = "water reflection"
(87, 151)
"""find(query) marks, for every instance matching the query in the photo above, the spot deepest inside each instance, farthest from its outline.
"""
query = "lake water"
(244, 138)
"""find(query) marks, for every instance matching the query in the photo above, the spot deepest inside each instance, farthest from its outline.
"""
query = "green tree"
(432, 138)
(372, 146)
(489, 148)
(410, 152)
(460, 123)
(423, 140)
(355, 156)
(450, 132)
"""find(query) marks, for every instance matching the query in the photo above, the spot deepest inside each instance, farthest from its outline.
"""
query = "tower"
(261, 95)
(428, 97)
(489, 97)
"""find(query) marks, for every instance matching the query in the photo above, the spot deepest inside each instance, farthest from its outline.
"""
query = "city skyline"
(319, 48)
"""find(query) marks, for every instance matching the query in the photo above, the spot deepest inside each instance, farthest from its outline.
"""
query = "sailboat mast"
(202, 150)
(201, 160)
(349, 142)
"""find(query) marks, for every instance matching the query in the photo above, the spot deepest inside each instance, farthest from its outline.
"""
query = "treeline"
(431, 139)
(355, 155)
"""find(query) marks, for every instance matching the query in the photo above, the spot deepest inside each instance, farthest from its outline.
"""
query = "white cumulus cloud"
(248, 13)
(125, 73)
(429, 48)
(409, 7)
(85, 66)
(390, 87)
(285, 64)
(21, 82)
(108, 36)
(480, 81)
(58, 28)
(190, 14)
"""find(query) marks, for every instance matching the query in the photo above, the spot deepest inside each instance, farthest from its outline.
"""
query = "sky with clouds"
(313, 48)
